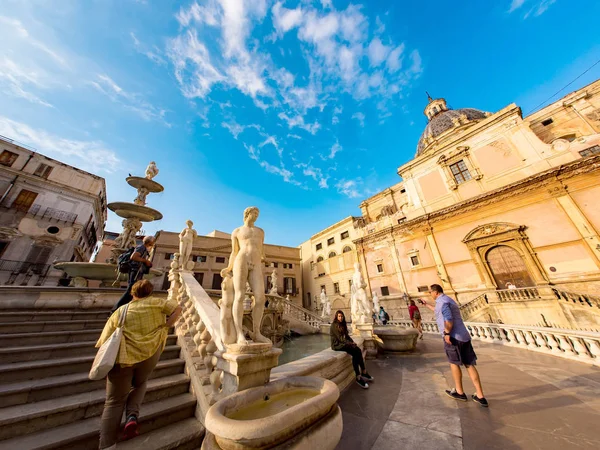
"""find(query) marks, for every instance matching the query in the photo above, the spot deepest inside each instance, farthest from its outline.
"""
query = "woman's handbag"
(417, 315)
(107, 353)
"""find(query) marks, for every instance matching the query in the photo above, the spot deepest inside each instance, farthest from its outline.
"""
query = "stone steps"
(33, 353)
(31, 417)
(48, 337)
(54, 387)
(48, 402)
(30, 370)
(49, 316)
(83, 434)
(41, 326)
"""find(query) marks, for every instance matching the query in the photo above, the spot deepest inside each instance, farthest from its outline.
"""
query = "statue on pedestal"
(325, 305)
(186, 243)
(245, 266)
(375, 303)
(274, 283)
(141, 197)
(151, 170)
(360, 306)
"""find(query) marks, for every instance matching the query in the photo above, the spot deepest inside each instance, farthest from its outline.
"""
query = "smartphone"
(420, 301)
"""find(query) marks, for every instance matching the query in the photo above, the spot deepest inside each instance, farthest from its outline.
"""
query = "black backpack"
(387, 316)
(124, 261)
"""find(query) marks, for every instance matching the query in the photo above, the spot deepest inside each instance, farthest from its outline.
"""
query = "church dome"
(441, 119)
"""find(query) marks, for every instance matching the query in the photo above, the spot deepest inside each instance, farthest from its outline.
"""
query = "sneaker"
(456, 396)
(131, 429)
(366, 376)
(482, 401)
(362, 383)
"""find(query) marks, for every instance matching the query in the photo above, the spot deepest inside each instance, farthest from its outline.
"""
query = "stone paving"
(536, 401)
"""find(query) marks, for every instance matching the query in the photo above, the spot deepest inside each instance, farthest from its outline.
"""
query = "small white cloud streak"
(93, 156)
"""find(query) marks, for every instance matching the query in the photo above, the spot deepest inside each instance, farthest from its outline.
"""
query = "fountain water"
(133, 214)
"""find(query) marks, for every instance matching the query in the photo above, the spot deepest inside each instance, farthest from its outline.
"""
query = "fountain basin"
(397, 339)
(140, 182)
(133, 211)
(295, 412)
(107, 273)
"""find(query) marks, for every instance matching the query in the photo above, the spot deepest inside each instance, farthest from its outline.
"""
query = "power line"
(566, 86)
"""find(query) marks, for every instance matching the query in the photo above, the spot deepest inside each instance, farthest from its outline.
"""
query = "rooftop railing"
(47, 213)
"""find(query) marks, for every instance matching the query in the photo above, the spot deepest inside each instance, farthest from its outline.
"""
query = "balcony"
(38, 212)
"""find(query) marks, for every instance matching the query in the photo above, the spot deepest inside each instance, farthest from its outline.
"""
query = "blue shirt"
(446, 309)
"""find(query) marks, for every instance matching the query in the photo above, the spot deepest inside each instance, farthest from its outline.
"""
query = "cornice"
(537, 181)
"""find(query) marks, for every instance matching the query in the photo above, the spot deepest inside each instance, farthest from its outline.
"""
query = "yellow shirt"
(144, 331)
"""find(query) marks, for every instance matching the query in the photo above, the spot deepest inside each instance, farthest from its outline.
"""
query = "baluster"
(579, 348)
(195, 332)
(557, 343)
(594, 347)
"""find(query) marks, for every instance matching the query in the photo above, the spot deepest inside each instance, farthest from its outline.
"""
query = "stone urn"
(294, 413)
(397, 339)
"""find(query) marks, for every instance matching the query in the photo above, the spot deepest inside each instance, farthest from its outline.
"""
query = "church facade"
(499, 209)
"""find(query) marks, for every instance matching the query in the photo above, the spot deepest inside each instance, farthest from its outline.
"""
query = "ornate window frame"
(483, 238)
(410, 254)
(462, 154)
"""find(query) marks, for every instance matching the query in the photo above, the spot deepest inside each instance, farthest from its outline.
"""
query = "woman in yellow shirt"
(144, 336)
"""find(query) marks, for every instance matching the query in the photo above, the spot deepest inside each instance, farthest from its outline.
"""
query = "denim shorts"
(460, 353)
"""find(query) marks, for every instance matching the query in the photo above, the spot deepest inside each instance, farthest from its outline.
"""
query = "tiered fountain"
(133, 214)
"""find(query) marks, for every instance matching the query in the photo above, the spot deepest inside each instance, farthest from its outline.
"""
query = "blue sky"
(302, 108)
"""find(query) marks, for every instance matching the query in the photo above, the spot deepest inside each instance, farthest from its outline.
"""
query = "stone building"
(328, 260)
(49, 211)
(492, 202)
(211, 254)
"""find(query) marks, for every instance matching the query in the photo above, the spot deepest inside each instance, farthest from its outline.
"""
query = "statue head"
(189, 223)
(251, 214)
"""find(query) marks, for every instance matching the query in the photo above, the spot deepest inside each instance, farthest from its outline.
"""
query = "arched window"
(332, 254)
(319, 259)
(347, 249)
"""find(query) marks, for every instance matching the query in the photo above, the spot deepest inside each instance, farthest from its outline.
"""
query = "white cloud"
(315, 173)
(154, 55)
(298, 121)
(380, 26)
(236, 129)
(294, 136)
(535, 9)
(394, 59)
(131, 101)
(285, 19)
(360, 117)
(335, 148)
(336, 112)
(349, 187)
(515, 4)
(17, 82)
(93, 156)
(272, 140)
(377, 52)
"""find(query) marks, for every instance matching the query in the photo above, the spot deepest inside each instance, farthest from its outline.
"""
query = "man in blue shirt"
(457, 344)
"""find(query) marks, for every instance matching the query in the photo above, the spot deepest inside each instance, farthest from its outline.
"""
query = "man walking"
(139, 264)
(457, 344)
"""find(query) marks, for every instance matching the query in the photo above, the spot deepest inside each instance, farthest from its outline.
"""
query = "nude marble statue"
(186, 243)
(245, 265)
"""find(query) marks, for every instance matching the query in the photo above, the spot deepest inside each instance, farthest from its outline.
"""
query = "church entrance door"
(507, 266)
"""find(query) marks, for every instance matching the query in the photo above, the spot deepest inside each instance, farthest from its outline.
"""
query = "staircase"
(48, 402)
(302, 321)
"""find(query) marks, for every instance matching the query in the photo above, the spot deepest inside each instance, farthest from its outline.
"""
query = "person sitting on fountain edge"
(140, 264)
(342, 342)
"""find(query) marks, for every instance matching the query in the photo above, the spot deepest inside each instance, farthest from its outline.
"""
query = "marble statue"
(228, 326)
(375, 303)
(186, 242)
(360, 307)
(325, 304)
(248, 298)
(151, 170)
(245, 266)
(141, 197)
(274, 283)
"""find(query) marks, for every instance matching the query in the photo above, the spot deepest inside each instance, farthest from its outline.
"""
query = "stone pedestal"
(246, 366)
(396, 339)
(370, 340)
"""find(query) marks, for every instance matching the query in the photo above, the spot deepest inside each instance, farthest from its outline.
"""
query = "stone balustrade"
(518, 294)
(580, 346)
(479, 302)
(578, 299)
(300, 313)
